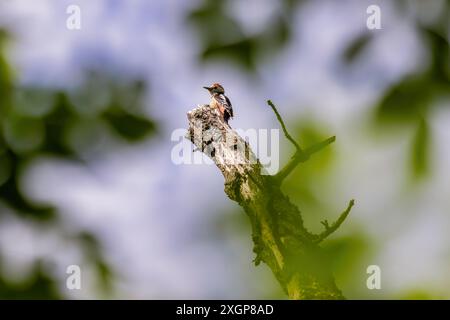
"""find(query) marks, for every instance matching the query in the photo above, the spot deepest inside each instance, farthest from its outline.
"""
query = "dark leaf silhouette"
(356, 47)
(420, 149)
(129, 126)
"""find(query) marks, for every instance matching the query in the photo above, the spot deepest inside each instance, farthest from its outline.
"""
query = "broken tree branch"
(330, 229)
(278, 232)
(283, 126)
(300, 155)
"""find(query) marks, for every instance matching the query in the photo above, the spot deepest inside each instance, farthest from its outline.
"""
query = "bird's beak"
(207, 88)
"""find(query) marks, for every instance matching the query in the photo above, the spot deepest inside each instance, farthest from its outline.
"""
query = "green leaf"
(406, 100)
(130, 127)
(241, 52)
(420, 150)
(356, 47)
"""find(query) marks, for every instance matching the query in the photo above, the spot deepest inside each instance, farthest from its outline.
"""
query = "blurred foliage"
(93, 254)
(309, 132)
(224, 38)
(420, 146)
(65, 124)
(349, 256)
(410, 100)
(356, 47)
(39, 284)
(419, 294)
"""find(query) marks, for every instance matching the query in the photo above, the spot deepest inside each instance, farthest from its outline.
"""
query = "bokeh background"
(86, 118)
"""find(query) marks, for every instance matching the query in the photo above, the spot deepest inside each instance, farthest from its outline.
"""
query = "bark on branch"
(279, 235)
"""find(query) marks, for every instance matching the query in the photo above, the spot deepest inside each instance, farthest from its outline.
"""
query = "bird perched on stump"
(220, 101)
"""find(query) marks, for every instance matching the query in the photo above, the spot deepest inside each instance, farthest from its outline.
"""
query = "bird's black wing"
(230, 107)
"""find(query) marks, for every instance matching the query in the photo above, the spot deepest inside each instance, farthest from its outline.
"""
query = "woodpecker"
(220, 101)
